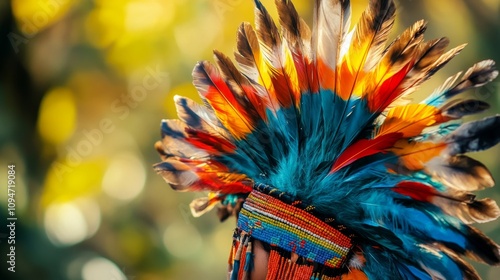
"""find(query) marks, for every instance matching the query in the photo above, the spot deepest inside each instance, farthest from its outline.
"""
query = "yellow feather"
(400, 52)
(291, 71)
(264, 71)
(252, 61)
(410, 119)
(366, 47)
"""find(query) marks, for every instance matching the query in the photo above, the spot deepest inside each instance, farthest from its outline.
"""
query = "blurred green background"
(83, 87)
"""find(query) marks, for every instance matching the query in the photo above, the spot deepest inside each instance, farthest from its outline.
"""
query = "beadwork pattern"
(281, 224)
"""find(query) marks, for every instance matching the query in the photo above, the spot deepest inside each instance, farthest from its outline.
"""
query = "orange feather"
(410, 120)
(229, 111)
(414, 155)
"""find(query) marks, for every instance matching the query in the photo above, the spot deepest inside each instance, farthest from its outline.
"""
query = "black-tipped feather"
(462, 108)
(461, 173)
(474, 136)
(478, 75)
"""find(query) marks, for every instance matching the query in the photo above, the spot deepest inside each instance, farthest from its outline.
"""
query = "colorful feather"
(381, 83)
(227, 108)
(366, 46)
(364, 148)
(332, 19)
(323, 114)
(410, 120)
(476, 76)
(474, 136)
(297, 34)
(278, 58)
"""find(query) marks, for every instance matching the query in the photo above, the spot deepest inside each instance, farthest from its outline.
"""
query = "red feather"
(388, 91)
(215, 184)
(364, 148)
(281, 85)
(415, 190)
(209, 142)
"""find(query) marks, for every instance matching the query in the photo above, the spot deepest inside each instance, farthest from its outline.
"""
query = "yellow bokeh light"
(64, 224)
(182, 240)
(195, 37)
(71, 178)
(129, 29)
(121, 187)
(494, 5)
(101, 269)
(70, 223)
(148, 15)
(104, 26)
(57, 116)
(32, 16)
(462, 30)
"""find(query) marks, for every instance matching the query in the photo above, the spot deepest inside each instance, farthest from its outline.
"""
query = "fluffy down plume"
(322, 114)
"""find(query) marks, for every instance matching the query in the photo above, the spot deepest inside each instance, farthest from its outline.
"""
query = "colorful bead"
(282, 224)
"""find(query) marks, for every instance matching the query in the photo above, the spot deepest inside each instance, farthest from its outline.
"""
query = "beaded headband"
(288, 226)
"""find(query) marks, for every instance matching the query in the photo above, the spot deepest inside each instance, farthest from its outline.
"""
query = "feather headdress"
(311, 135)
